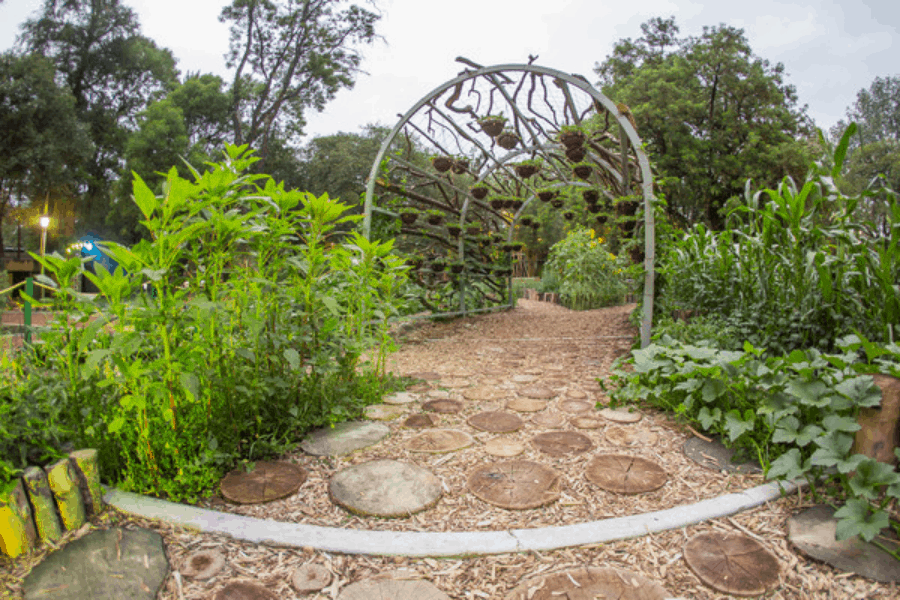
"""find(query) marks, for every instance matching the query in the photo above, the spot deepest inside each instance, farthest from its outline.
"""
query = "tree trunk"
(46, 518)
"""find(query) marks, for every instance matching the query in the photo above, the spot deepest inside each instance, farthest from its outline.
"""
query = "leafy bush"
(584, 272)
(239, 325)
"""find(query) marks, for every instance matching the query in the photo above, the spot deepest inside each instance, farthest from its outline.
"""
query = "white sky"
(830, 48)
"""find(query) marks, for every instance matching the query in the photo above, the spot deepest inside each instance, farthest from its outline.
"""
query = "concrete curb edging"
(454, 543)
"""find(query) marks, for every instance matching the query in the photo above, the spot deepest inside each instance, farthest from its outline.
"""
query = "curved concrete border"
(441, 543)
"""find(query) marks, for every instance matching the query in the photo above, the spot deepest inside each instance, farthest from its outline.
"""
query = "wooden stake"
(46, 518)
(17, 532)
(85, 462)
(63, 482)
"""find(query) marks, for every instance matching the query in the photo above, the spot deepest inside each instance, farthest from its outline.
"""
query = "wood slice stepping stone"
(455, 383)
(310, 578)
(418, 388)
(576, 394)
(526, 405)
(439, 394)
(400, 398)
(383, 412)
(561, 443)
(203, 564)
(504, 447)
(515, 485)
(447, 407)
(732, 563)
(385, 488)
(620, 416)
(482, 392)
(538, 392)
(419, 421)
(548, 419)
(575, 406)
(244, 590)
(523, 378)
(585, 422)
(395, 589)
(496, 421)
(266, 482)
(589, 583)
(437, 441)
(813, 532)
(629, 436)
(625, 474)
(344, 438)
(714, 455)
(426, 375)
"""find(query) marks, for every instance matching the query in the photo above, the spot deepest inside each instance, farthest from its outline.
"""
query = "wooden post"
(17, 532)
(26, 308)
(89, 479)
(880, 432)
(63, 482)
(49, 527)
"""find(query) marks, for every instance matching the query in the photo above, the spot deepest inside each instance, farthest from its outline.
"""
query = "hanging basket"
(576, 154)
(498, 203)
(557, 203)
(409, 218)
(453, 230)
(594, 208)
(582, 171)
(573, 138)
(441, 164)
(460, 166)
(516, 204)
(508, 139)
(568, 215)
(546, 195)
(601, 219)
(438, 265)
(434, 219)
(590, 196)
(526, 221)
(492, 125)
(479, 192)
(526, 170)
(457, 267)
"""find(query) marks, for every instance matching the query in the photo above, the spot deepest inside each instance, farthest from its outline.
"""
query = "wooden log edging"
(43, 503)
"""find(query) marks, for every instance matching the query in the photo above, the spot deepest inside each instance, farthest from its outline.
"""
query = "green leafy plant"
(584, 272)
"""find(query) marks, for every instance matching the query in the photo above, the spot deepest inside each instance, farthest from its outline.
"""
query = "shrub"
(584, 272)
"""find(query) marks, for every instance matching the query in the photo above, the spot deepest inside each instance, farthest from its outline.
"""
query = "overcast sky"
(830, 48)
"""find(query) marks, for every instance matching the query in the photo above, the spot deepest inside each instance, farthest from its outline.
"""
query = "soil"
(566, 352)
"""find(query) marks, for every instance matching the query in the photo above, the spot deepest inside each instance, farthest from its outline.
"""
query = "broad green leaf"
(833, 448)
(736, 424)
(871, 476)
(788, 466)
(856, 518)
(293, 358)
(810, 393)
(839, 423)
(144, 197)
(116, 424)
(712, 390)
(709, 418)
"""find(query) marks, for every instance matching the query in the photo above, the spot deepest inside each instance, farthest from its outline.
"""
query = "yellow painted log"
(62, 478)
(46, 518)
(89, 476)
(17, 532)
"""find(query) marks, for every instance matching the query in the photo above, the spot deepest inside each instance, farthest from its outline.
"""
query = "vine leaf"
(856, 520)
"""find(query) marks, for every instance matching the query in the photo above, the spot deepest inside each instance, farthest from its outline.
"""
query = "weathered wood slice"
(493, 372)
(436, 441)
(526, 405)
(17, 532)
(620, 416)
(63, 482)
(625, 474)
(447, 407)
(879, 432)
(523, 378)
(418, 388)
(561, 443)
(438, 394)
(576, 394)
(732, 563)
(310, 578)
(589, 583)
(385, 488)
(383, 412)
(266, 482)
(515, 485)
(575, 406)
(548, 419)
(629, 436)
(814, 533)
(395, 589)
(482, 392)
(49, 527)
(714, 455)
(585, 422)
(504, 447)
(244, 590)
(538, 392)
(400, 398)
(344, 438)
(203, 564)
(88, 474)
(419, 421)
(455, 383)
(496, 421)
(426, 375)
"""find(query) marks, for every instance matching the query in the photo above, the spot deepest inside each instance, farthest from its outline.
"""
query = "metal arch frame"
(625, 127)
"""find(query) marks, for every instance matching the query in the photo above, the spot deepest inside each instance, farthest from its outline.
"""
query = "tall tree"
(711, 113)
(876, 113)
(339, 164)
(289, 56)
(112, 71)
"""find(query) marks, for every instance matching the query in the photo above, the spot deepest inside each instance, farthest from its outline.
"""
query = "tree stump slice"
(344, 438)
(244, 590)
(515, 485)
(524, 378)
(628, 436)
(17, 532)
(88, 474)
(548, 419)
(526, 405)
(585, 422)
(395, 589)
(400, 398)
(266, 482)
(589, 583)
(438, 394)
(575, 406)
(504, 447)
(385, 488)
(418, 388)
(419, 421)
(538, 392)
(438, 441)
(447, 407)
(310, 578)
(880, 426)
(732, 563)
(482, 393)
(46, 519)
(620, 416)
(383, 412)
(63, 482)
(496, 422)
(425, 375)
(562, 443)
(455, 383)
(625, 474)
(203, 564)
(577, 395)
(813, 532)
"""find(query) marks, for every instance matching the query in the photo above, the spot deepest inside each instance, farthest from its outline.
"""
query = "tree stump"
(880, 432)
(548, 419)
(588, 583)
(504, 447)
(526, 405)
(496, 421)
(561, 443)
(575, 406)
(88, 473)
(64, 485)
(266, 482)
(395, 589)
(46, 518)
(620, 416)
(244, 590)
(625, 474)
(17, 532)
(732, 563)
(515, 485)
(203, 564)
(310, 578)
(385, 488)
(447, 407)
(419, 421)
(437, 441)
(538, 392)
